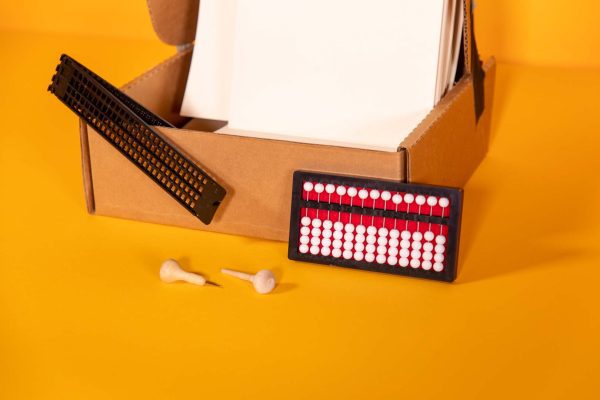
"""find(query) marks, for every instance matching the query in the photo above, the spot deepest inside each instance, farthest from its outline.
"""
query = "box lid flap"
(174, 21)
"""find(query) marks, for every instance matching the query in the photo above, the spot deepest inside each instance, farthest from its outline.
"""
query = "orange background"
(557, 33)
(83, 314)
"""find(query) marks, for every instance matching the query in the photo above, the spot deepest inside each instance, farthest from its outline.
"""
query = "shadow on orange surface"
(537, 206)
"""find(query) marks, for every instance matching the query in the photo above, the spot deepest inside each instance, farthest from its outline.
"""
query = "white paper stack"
(340, 72)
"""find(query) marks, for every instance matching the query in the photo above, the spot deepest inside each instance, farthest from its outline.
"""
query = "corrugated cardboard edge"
(86, 167)
(174, 21)
(467, 34)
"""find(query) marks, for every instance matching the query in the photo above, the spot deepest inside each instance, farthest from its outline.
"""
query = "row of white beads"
(375, 194)
(315, 236)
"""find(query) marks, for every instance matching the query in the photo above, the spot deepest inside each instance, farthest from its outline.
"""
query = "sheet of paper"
(459, 22)
(446, 49)
(349, 72)
(208, 86)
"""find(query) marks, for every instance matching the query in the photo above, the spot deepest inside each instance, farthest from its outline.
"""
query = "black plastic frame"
(128, 126)
(452, 221)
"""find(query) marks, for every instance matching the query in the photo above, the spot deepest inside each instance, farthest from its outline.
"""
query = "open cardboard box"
(444, 149)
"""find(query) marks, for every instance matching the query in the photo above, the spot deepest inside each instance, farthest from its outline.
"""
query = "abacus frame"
(452, 221)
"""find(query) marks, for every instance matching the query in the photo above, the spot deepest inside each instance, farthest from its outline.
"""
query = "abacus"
(375, 225)
(128, 126)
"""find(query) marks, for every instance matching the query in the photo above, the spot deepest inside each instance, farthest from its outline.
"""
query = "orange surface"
(84, 315)
(557, 32)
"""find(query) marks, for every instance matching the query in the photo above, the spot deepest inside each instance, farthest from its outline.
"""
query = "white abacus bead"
(403, 262)
(393, 251)
(327, 224)
(440, 248)
(319, 188)
(363, 194)
(428, 246)
(348, 245)
(315, 232)
(371, 239)
(325, 251)
(359, 238)
(397, 199)
(341, 190)
(338, 226)
(381, 250)
(308, 186)
(416, 245)
(337, 253)
(369, 257)
(438, 257)
(438, 267)
(303, 248)
(429, 236)
(427, 255)
(415, 263)
(370, 248)
(432, 201)
(348, 236)
(417, 236)
(409, 198)
(444, 202)
(359, 256)
(359, 246)
(361, 229)
(338, 235)
(404, 253)
(385, 195)
(393, 242)
(426, 265)
(304, 239)
(394, 233)
(347, 254)
(316, 223)
(440, 239)
(305, 221)
(374, 194)
(405, 235)
(337, 244)
(420, 200)
(405, 244)
(415, 254)
(352, 191)
(392, 260)
(381, 258)
(326, 233)
(382, 241)
(349, 227)
(326, 242)
(383, 231)
(314, 250)
(329, 188)
(305, 230)
(315, 241)
(371, 230)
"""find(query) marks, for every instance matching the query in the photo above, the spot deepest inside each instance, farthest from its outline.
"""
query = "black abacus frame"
(128, 127)
(452, 221)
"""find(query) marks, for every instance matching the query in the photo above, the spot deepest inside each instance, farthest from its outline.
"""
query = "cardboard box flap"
(174, 21)
(446, 147)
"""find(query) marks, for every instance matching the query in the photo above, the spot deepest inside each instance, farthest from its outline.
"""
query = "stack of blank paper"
(339, 72)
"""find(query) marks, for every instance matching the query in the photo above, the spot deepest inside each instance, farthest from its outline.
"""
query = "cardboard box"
(444, 149)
